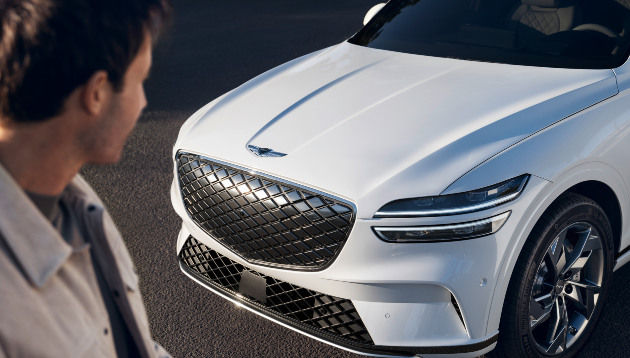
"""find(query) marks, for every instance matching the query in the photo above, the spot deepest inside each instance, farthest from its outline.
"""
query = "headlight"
(436, 233)
(454, 204)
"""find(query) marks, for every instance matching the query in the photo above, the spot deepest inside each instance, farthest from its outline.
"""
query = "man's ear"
(96, 93)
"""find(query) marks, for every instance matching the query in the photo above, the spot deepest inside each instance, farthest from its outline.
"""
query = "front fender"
(557, 169)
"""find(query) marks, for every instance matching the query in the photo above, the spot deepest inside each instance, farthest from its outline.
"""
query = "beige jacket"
(50, 303)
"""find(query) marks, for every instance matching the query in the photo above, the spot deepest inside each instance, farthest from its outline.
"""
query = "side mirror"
(370, 14)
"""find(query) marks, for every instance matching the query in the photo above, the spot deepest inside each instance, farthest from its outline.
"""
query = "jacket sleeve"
(160, 352)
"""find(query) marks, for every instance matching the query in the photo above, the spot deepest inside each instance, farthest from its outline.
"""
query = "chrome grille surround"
(263, 219)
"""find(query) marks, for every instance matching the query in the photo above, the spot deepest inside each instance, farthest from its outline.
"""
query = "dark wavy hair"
(48, 48)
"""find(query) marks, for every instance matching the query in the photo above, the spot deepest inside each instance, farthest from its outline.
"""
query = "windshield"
(549, 33)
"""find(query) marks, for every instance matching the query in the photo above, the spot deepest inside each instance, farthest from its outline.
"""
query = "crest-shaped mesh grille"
(300, 306)
(262, 219)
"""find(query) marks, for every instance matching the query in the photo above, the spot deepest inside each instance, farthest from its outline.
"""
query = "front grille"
(329, 315)
(263, 219)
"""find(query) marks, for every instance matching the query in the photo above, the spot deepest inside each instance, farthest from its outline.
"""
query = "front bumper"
(329, 319)
(413, 299)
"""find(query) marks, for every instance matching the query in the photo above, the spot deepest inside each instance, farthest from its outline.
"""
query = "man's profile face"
(110, 132)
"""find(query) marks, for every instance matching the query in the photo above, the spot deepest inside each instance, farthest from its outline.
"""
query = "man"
(71, 90)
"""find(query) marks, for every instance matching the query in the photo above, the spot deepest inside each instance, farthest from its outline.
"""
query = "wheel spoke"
(540, 309)
(559, 343)
(557, 321)
(588, 285)
(577, 262)
(586, 292)
(544, 300)
(542, 318)
(593, 243)
(556, 255)
(565, 324)
(579, 300)
(559, 340)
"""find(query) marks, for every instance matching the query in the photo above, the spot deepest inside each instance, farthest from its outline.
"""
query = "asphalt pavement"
(212, 47)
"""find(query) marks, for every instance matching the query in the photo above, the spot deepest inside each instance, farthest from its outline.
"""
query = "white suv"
(450, 180)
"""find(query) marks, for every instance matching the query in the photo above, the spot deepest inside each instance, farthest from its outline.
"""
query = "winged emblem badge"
(264, 152)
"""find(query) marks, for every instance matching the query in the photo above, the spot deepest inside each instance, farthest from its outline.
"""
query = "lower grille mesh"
(298, 305)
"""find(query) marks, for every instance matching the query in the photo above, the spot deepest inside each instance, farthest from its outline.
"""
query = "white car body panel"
(595, 143)
(344, 95)
(458, 126)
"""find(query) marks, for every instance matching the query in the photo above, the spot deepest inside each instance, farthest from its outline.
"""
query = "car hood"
(373, 125)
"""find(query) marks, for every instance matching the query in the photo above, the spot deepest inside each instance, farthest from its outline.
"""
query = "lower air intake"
(320, 314)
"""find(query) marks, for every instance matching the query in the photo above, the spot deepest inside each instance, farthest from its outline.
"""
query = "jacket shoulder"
(82, 187)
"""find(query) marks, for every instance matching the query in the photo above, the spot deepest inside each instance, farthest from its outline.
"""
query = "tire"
(555, 296)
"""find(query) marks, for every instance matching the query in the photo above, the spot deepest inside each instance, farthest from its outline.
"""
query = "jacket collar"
(38, 248)
(102, 230)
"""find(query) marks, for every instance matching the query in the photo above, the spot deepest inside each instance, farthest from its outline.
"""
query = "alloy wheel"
(566, 288)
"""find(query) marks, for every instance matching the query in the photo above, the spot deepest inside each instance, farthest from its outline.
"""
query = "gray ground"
(212, 47)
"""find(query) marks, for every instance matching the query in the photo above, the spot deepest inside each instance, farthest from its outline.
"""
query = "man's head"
(85, 58)
(105, 115)
(50, 47)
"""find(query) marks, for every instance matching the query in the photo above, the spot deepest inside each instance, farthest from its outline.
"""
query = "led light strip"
(454, 211)
(496, 221)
